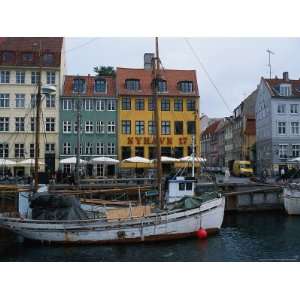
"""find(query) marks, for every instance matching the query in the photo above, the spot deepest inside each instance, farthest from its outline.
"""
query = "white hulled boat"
(291, 199)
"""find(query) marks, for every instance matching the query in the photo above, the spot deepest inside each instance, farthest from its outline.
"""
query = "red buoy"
(201, 233)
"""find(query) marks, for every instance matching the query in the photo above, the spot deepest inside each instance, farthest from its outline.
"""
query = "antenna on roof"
(269, 64)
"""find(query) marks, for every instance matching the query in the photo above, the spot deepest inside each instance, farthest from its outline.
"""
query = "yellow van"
(242, 168)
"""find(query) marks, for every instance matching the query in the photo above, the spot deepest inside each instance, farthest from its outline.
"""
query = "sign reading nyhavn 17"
(152, 140)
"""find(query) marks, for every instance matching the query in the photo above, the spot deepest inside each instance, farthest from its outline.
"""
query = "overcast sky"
(234, 64)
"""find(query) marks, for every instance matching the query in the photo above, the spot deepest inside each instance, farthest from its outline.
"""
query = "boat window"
(189, 186)
(181, 186)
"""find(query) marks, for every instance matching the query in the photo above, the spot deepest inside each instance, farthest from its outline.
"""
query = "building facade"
(96, 97)
(20, 65)
(178, 103)
(277, 123)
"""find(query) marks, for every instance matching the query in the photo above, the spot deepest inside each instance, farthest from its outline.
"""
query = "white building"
(19, 77)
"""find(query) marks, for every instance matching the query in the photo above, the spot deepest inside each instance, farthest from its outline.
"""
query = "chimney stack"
(285, 76)
(148, 58)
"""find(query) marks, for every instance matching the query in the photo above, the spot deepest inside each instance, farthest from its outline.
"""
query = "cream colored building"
(19, 71)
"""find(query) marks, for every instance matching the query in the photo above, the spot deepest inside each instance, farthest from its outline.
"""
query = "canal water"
(244, 237)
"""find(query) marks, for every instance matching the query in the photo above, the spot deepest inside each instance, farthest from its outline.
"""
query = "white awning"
(72, 161)
(137, 159)
(105, 160)
(190, 159)
(166, 159)
(28, 162)
(7, 162)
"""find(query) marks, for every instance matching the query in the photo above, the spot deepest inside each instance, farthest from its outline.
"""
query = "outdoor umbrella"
(190, 159)
(28, 162)
(72, 161)
(7, 162)
(105, 160)
(167, 159)
(137, 159)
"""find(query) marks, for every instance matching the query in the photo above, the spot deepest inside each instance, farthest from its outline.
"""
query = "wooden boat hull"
(156, 227)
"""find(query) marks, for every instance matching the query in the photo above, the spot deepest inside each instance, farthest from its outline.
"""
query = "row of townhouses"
(116, 111)
(264, 128)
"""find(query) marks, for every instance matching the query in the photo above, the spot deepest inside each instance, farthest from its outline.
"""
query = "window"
(294, 108)
(100, 148)
(67, 126)
(100, 105)
(178, 127)
(35, 77)
(100, 127)
(126, 126)
(8, 56)
(181, 186)
(80, 149)
(88, 148)
(126, 103)
(285, 90)
(33, 100)
(50, 101)
(88, 103)
(162, 86)
(139, 127)
(32, 124)
(295, 128)
(165, 104)
(4, 124)
(20, 124)
(19, 151)
(67, 104)
(110, 149)
(4, 76)
(281, 108)
(152, 152)
(111, 105)
(191, 127)
(165, 127)
(283, 151)
(191, 104)
(100, 170)
(4, 150)
(100, 85)
(50, 124)
(27, 57)
(139, 104)
(178, 152)
(20, 100)
(48, 59)
(89, 127)
(178, 105)
(67, 148)
(79, 86)
(132, 84)
(31, 150)
(186, 86)
(295, 150)
(50, 148)
(139, 151)
(188, 186)
(151, 104)
(111, 127)
(151, 128)
(20, 77)
(281, 128)
(166, 151)
(4, 100)
(126, 152)
(50, 77)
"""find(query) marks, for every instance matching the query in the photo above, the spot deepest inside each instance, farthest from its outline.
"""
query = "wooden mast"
(156, 76)
(37, 123)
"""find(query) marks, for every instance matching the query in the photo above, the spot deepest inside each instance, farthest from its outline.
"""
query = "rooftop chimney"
(285, 76)
(148, 57)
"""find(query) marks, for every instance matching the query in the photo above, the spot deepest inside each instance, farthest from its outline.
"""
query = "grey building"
(277, 123)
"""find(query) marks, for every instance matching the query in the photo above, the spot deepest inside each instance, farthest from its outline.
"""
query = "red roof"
(273, 85)
(17, 46)
(173, 77)
(211, 128)
(90, 84)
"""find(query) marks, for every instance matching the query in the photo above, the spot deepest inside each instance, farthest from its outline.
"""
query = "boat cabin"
(180, 187)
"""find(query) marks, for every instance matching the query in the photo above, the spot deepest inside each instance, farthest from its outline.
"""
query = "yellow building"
(178, 103)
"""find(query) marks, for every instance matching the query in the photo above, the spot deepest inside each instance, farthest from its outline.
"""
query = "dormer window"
(285, 90)
(27, 57)
(100, 85)
(8, 56)
(132, 84)
(79, 86)
(186, 86)
(162, 86)
(48, 58)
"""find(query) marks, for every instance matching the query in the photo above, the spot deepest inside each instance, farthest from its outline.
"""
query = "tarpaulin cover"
(47, 206)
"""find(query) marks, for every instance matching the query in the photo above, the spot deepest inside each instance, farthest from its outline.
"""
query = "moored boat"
(291, 199)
